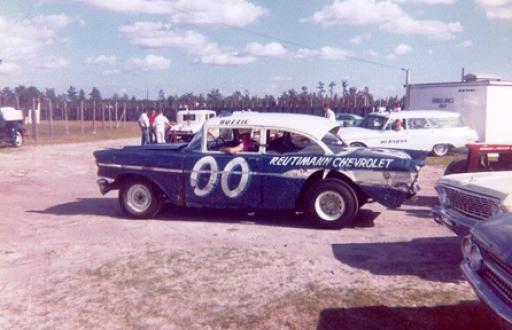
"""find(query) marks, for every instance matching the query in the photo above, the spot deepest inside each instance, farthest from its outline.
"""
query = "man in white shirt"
(144, 127)
(161, 123)
(328, 113)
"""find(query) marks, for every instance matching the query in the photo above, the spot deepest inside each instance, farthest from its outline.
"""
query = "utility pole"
(407, 88)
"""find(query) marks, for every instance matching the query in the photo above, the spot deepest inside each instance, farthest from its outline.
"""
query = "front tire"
(18, 140)
(331, 204)
(440, 150)
(358, 145)
(139, 199)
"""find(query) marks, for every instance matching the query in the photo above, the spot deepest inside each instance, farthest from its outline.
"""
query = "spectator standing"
(328, 113)
(161, 124)
(152, 131)
(144, 127)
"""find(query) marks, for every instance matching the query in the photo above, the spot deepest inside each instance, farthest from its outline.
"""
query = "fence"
(109, 115)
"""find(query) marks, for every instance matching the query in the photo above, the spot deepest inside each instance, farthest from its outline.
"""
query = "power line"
(296, 44)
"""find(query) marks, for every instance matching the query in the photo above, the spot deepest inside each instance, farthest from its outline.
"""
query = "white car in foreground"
(426, 130)
(189, 122)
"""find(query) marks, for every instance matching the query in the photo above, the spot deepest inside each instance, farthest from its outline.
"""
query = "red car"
(483, 157)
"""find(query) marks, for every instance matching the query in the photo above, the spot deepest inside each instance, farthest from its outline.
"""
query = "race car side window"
(417, 123)
(225, 139)
(285, 142)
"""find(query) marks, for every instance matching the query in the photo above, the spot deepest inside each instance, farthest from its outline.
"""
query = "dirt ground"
(69, 260)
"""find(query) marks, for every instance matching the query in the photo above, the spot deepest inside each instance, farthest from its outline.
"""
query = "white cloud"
(497, 9)
(149, 63)
(102, 60)
(159, 35)
(365, 36)
(372, 52)
(9, 67)
(387, 14)
(200, 12)
(281, 78)
(399, 50)
(429, 2)
(272, 49)
(465, 44)
(51, 63)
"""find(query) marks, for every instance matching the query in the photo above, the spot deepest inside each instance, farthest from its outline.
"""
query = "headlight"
(475, 258)
(466, 247)
(506, 205)
(443, 197)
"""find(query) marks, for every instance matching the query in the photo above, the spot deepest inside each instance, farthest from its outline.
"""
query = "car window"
(499, 162)
(446, 122)
(333, 141)
(286, 142)
(195, 143)
(220, 138)
(190, 117)
(374, 122)
(417, 123)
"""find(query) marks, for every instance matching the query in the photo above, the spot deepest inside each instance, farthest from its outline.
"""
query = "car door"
(420, 135)
(289, 159)
(215, 179)
(396, 139)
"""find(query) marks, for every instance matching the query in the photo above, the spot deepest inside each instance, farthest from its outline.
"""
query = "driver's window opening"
(282, 142)
(233, 140)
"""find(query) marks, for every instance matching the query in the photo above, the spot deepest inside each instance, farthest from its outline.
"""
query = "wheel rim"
(440, 149)
(18, 140)
(330, 205)
(138, 198)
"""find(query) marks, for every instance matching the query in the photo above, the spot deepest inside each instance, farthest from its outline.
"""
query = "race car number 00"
(211, 163)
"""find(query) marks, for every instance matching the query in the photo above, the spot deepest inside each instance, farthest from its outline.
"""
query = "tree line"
(345, 98)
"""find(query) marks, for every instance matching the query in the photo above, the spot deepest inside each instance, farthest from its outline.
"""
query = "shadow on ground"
(434, 259)
(108, 207)
(465, 315)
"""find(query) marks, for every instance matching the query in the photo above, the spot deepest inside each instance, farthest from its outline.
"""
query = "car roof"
(309, 124)
(417, 114)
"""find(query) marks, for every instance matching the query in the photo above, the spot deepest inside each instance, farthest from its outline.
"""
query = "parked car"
(429, 130)
(348, 119)
(487, 265)
(11, 126)
(470, 198)
(298, 163)
(188, 123)
(482, 157)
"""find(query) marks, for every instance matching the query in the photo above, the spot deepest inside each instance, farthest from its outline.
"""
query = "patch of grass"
(443, 161)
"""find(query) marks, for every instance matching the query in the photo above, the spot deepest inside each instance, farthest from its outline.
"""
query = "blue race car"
(256, 161)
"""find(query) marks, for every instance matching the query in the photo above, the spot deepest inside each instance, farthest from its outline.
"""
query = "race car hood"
(494, 235)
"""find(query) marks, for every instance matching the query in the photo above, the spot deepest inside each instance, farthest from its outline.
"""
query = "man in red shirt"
(152, 131)
(247, 144)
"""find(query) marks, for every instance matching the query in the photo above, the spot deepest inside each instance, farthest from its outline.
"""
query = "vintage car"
(188, 123)
(487, 265)
(299, 163)
(483, 157)
(469, 198)
(348, 119)
(11, 126)
(429, 130)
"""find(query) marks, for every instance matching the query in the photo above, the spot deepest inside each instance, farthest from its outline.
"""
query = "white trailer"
(484, 101)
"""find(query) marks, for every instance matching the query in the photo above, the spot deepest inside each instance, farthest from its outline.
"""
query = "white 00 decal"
(210, 162)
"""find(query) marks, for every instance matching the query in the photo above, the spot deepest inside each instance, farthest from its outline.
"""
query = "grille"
(473, 206)
(500, 287)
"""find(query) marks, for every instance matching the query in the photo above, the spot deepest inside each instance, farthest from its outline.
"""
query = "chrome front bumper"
(486, 294)
(104, 186)
(457, 222)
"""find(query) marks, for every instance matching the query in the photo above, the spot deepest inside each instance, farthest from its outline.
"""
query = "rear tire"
(440, 150)
(139, 199)
(456, 166)
(331, 204)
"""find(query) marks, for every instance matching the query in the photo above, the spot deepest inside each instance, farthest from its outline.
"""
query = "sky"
(258, 46)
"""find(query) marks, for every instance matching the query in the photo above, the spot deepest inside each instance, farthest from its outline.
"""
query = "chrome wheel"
(18, 140)
(329, 205)
(138, 198)
(440, 150)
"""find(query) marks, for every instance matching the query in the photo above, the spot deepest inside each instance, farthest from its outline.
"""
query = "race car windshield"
(195, 143)
(333, 141)
(373, 122)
